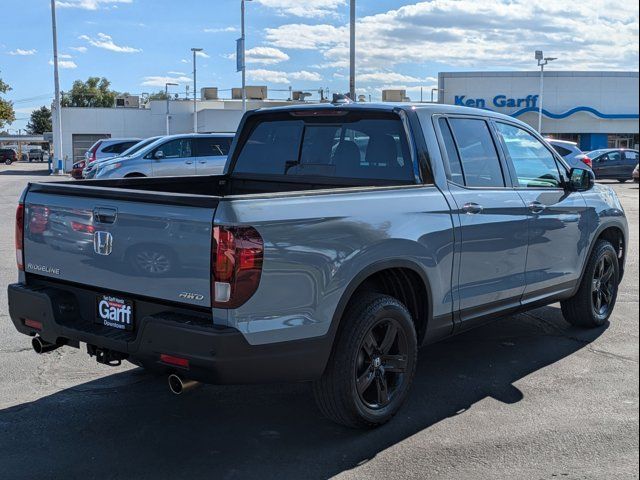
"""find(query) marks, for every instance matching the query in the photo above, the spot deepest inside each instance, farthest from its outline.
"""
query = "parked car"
(90, 170)
(104, 148)
(635, 174)
(173, 155)
(570, 152)
(8, 156)
(338, 239)
(36, 154)
(614, 163)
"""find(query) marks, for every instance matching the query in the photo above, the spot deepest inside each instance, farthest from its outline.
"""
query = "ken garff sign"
(499, 101)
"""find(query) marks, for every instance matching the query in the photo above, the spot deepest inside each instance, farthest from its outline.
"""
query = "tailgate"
(160, 251)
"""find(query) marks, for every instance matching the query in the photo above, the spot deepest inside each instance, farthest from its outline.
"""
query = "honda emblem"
(102, 243)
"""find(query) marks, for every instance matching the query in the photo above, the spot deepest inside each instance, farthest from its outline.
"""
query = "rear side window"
(212, 147)
(561, 150)
(350, 146)
(118, 148)
(477, 152)
(455, 166)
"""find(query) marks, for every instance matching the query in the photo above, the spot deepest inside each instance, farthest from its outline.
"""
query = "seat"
(382, 151)
(347, 158)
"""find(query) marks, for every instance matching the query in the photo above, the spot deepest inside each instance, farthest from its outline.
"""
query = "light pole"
(57, 103)
(352, 51)
(542, 61)
(244, 60)
(195, 106)
(166, 94)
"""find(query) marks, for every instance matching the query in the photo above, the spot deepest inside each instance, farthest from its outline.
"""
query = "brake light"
(33, 324)
(20, 236)
(237, 254)
(587, 161)
(319, 113)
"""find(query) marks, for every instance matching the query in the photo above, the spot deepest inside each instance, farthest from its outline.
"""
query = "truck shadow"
(128, 425)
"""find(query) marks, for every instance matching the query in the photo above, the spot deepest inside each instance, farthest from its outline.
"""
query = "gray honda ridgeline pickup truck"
(340, 238)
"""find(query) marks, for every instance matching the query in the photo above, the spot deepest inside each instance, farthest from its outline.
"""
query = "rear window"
(353, 146)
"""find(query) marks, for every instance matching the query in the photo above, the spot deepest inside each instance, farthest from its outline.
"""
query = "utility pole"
(57, 139)
(166, 94)
(352, 52)
(243, 60)
(195, 105)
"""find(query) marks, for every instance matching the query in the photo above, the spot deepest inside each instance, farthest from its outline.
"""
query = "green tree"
(159, 95)
(7, 114)
(40, 121)
(95, 92)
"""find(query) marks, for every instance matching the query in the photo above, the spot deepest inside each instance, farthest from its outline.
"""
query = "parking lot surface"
(527, 396)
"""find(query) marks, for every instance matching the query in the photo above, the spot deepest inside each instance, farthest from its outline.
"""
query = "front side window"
(350, 146)
(477, 152)
(180, 148)
(535, 166)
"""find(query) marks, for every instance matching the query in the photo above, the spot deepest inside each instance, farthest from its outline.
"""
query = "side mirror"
(581, 180)
(159, 155)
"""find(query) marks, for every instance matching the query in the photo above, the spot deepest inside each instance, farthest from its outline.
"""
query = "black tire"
(7, 161)
(595, 299)
(134, 175)
(622, 180)
(362, 350)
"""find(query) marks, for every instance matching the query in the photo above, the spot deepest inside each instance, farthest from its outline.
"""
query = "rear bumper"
(216, 354)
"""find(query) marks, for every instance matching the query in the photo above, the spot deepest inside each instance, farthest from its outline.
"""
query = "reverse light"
(20, 236)
(175, 361)
(237, 254)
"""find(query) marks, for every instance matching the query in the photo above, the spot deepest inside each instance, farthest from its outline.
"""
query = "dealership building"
(593, 109)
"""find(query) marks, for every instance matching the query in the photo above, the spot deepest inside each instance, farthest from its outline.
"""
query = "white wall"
(607, 92)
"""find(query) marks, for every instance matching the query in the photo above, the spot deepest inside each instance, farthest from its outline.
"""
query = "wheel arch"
(615, 234)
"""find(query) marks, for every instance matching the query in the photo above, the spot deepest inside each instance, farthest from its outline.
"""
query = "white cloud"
(22, 52)
(184, 60)
(91, 4)
(391, 77)
(160, 81)
(79, 49)
(64, 55)
(176, 73)
(266, 55)
(65, 64)
(276, 76)
(221, 30)
(105, 42)
(473, 34)
(202, 54)
(308, 8)
(306, 76)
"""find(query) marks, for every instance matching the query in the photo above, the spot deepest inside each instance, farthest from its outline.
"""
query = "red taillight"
(20, 236)
(587, 161)
(175, 361)
(33, 324)
(237, 254)
(82, 227)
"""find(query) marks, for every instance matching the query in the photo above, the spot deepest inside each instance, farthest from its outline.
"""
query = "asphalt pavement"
(525, 397)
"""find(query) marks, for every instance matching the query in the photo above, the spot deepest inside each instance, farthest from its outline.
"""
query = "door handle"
(104, 215)
(188, 162)
(537, 207)
(472, 208)
(202, 162)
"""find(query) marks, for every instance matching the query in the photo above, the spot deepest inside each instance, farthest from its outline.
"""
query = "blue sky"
(141, 44)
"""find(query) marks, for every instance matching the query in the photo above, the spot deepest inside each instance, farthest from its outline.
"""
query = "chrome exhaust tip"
(179, 385)
(40, 346)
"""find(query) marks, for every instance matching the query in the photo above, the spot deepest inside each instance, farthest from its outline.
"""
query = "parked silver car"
(173, 155)
(575, 157)
(90, 170)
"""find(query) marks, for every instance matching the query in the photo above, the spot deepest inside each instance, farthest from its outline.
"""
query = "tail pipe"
(41, 346)
(179, 385)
